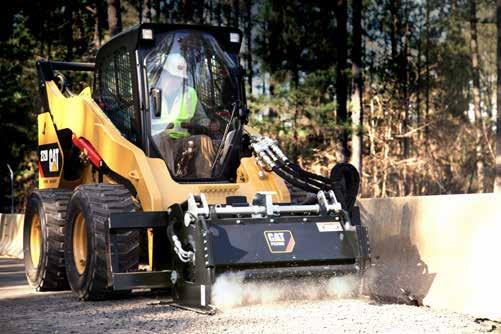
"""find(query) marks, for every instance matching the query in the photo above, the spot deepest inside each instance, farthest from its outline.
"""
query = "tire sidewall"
(34, 275)
(80, 284)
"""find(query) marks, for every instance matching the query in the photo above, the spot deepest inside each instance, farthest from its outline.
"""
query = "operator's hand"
(214, 126)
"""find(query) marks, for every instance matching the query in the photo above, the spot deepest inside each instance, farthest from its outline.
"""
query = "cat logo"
(53, 160)
(280, 241)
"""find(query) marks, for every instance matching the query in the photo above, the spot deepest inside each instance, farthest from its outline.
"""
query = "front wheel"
(87, 239)
(43, 239)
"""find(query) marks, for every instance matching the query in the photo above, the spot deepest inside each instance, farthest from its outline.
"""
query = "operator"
(187, 155)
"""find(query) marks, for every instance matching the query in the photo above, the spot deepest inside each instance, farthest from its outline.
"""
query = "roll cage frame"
(137, 42)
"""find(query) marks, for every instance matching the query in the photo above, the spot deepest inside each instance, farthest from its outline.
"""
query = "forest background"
(405, 90)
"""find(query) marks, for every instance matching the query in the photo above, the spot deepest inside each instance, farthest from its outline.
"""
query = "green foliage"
(417, 94)
(300, 117)
(294, 37)
(17, 117)
(416, 68)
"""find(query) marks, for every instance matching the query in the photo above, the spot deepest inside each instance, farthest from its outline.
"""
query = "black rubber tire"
(96, 202)
(50, 205)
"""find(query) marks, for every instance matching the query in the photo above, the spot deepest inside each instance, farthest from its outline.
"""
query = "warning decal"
(330, 227)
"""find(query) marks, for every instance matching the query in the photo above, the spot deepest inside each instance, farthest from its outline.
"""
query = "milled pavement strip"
(24, 311)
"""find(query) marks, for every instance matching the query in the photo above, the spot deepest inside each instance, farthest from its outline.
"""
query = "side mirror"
(156, 100)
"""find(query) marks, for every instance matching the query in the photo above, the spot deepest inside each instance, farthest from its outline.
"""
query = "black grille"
(115, 95)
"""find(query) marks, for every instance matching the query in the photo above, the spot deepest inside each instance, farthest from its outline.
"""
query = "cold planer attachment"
(322, 236)
(260, 240)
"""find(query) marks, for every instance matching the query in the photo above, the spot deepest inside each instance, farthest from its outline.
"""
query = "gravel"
(24, 311)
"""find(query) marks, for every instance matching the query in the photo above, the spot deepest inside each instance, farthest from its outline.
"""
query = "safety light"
(234, 37)
(147, 34)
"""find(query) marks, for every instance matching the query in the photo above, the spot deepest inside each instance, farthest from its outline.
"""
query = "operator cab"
(185, 105)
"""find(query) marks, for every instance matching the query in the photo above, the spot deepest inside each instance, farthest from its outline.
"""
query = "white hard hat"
(176, 65)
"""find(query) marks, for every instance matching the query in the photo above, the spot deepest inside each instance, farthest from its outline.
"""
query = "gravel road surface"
(24, 311)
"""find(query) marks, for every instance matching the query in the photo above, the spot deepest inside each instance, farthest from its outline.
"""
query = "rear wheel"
(43, 239)
(87, 240)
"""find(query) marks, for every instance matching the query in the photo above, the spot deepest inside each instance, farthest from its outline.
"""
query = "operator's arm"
(200, 117)
(199, 122)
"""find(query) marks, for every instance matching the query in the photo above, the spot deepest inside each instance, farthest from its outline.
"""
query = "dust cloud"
(231, 290)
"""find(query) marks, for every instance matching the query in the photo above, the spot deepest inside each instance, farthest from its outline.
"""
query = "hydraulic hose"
(294, 181)
(302, 177)
(273, 158)
(310, 175)
(276, 151)
(184, 256)
(283, 162)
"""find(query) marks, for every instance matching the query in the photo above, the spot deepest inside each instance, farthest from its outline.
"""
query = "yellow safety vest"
(183, 110)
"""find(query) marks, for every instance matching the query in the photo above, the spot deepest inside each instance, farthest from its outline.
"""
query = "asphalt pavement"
(24, 311)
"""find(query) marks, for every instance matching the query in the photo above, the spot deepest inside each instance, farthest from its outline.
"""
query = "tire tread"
(55, 203)
(103, 200)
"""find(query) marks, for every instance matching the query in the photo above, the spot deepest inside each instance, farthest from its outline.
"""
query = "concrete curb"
(438, 251)
(11, 235)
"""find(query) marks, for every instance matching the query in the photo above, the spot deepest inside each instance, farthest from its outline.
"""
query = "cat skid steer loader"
(153, 180)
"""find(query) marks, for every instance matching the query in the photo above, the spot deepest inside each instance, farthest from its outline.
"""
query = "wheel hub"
(35, 241)
(80, 243)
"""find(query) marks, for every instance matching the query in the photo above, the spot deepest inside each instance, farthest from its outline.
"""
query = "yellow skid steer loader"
(153, 179)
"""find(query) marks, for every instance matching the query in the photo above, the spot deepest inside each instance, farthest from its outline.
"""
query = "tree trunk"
(404, 69)
(211, 12)
(236, 9)
(68, 31)
(497, 187)
(356, 97)
(394, 7)
(248, 37)
(427, 79)
(140, 9)
(149, 10)
(156, 6)
(100, 17)
(200, 11)
(340, 11)
(188, 11)
(114, 17)
(295, 135)
(404, 104)
(418, 83)
(219, 17)
(476, 95)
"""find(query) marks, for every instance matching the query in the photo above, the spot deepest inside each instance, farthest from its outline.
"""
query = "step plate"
(142, 280)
